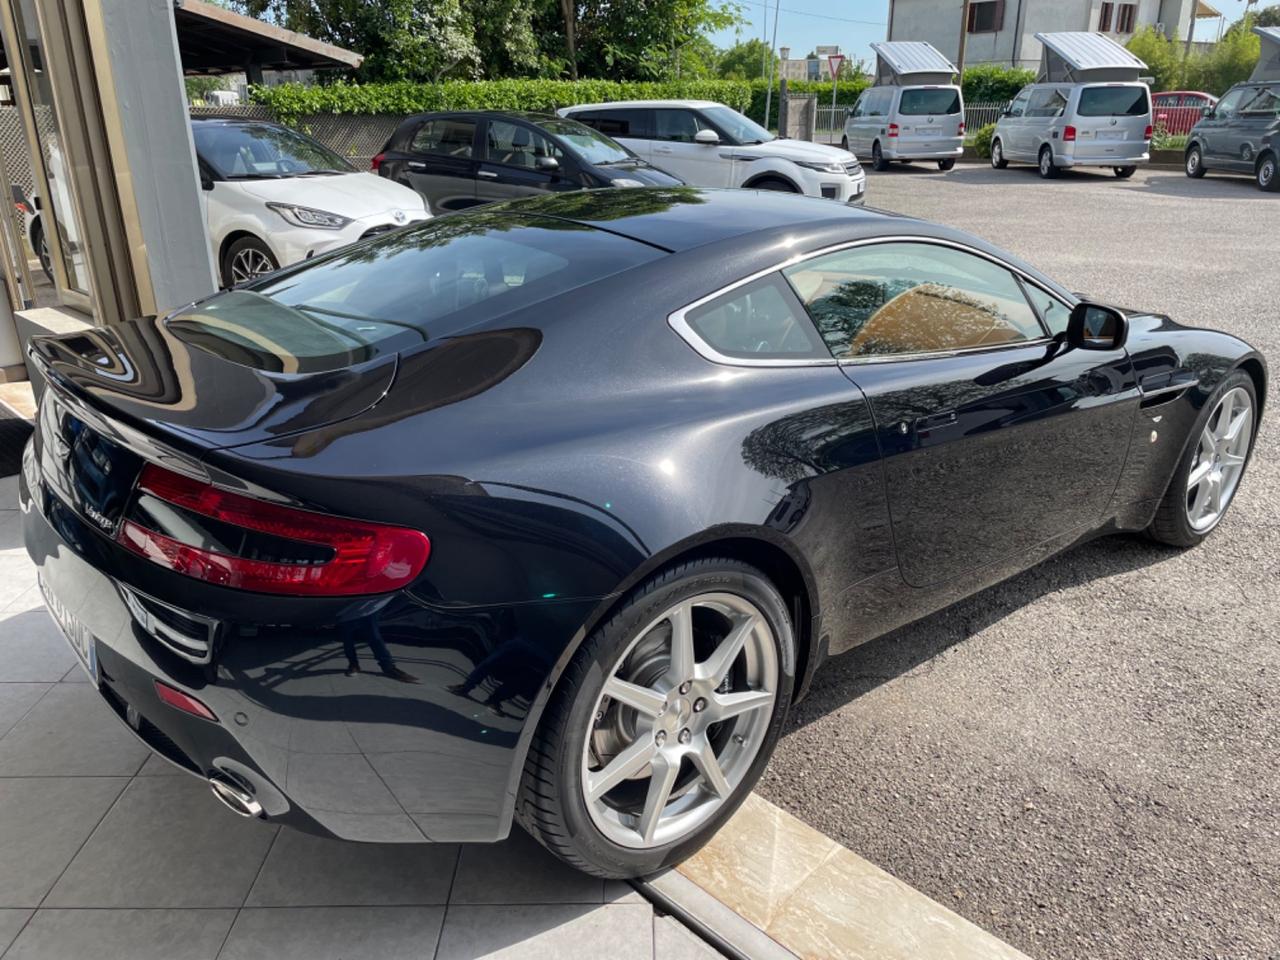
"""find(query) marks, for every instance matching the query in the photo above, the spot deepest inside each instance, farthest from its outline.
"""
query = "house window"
(1125, 16)
(986, 17)
(1104, 18)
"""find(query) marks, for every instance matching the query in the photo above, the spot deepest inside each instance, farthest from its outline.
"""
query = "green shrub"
(982, 140)
(994, 84)
(290, 101)
(846, 95)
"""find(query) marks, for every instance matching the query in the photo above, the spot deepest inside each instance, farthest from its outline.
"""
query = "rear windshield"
(411, 286)
(1113, 102)
(918, 103)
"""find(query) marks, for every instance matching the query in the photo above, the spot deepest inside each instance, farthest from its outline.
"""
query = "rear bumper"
(905, 151)
(363, 757)
(1120, 159)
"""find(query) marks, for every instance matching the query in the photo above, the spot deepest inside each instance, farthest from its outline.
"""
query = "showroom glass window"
(905, 299)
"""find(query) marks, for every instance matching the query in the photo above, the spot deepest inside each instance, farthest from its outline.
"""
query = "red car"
(1177, 111)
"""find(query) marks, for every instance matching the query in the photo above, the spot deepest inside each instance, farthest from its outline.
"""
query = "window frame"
(1126, 17)
(1105, 17)
(477, 125)
(971, 27)
(676, 320)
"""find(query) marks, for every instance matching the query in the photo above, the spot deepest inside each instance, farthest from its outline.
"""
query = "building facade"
(815, 67)
(1003, 31)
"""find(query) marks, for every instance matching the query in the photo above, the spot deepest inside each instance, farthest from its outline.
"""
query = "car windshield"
(411, 286)
(1113, 102)
(923, 102)
(256, 151)
(738, 128)
(590, 145)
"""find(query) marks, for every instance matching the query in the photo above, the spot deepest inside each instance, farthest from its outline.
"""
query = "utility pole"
(964, 36)
(773, 45)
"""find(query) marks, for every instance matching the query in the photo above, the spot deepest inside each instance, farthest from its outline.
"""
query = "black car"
(1240, 134)
(550, 511)
(457, 160)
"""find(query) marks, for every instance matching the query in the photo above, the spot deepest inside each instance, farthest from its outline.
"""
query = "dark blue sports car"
(550, 511)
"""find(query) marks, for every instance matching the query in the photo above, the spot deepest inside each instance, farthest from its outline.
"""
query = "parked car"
(1063, 125)
(1239, 135)
(458, 160)
(1177, 111)
(28, 211)
(550, 510)
(907, 123)
(273, 196)
(710, 145)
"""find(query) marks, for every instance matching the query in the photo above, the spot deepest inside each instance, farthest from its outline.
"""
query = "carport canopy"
(911, 61)
(1268, 67)
(214, 40)
(1077, 56)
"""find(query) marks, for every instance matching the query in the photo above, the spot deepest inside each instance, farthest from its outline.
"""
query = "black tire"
(246, 247)
(1266, 175)
(774, 183)
(878, 162)
(998, 161)
(1124, 173)
(1047, 169)
(40, 244)
(844, 143)
(551, 806)
(1171, 524)
(947, 164)
(1194, 162)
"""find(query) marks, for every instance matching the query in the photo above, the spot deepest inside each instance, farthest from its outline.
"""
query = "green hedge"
(846, 95)
(290, 101)
(982, 140)
(993, 84)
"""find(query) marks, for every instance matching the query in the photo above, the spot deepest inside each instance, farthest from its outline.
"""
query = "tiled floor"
(107, 853)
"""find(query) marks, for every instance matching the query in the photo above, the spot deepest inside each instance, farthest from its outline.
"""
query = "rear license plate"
(1110, 134)
(77, 634)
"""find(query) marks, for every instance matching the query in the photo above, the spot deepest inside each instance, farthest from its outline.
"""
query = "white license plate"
(1110, 134)
(77, 634)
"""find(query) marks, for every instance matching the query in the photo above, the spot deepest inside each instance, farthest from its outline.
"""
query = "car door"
(1215, 129)
(518, 160)
(995, 437)
(1012, 126)
(441, 163)
(872, 124)
(675, 150)
(1259, 110)
(851, 119)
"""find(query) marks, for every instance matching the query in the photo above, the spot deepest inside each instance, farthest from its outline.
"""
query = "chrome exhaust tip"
(235, 798)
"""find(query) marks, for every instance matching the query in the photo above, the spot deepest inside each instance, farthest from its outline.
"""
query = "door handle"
(487, 174)
(416, 165)
(948, 419)
(661, 149)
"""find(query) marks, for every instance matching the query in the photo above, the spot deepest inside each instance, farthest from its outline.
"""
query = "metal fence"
(354, 136)
(978, 115)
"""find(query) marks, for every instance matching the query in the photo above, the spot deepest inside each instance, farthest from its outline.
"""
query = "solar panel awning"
(911, 61)
(1268, 67)
(1079, 56)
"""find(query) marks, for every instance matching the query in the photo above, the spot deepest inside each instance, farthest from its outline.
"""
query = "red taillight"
(960, 132)
(184, 702)
(1149, 131)
(893, 129)
(366, 557)
(376, 163)
(1068, 133)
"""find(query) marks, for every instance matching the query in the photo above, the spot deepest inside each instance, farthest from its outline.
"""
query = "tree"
(745, 60)
(1163, 57)
(200, 87)
(1268, 16)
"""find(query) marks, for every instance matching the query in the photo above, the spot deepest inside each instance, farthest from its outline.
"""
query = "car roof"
(643, 103)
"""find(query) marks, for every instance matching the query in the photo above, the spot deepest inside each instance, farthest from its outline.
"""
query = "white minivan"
(907, 123)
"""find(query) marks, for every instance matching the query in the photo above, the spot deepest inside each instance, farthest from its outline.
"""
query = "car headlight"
(822, 166)
(625, 182)
(307, 217)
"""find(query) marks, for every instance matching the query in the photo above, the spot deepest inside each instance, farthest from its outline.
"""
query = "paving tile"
(9, 492)
(335, 933)
(673, 941)
(16, 699)
(305, 870)
(11, 922)
(11, 542)
(135, 934)
(35, 650)
(76, 674)
(520, 870)
(70, 733)
(43, 822)
(621, 931)
(619, 891)
(167, 843)
(157, 766)
(17, 572)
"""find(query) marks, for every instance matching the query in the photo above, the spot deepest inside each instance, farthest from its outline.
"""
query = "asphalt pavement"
(1085, 760)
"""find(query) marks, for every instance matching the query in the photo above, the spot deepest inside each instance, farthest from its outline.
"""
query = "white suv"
(709, 145)
(273, 196)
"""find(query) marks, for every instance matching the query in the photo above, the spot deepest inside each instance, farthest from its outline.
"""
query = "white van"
(1087, 109)
(914, 111)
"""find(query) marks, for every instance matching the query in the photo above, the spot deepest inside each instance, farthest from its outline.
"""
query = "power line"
(821, 16)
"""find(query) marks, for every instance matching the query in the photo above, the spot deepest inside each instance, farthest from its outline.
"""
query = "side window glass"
(1053, 311)
(899, 299)
(446, 138)
(1264, 103)
(760, 320)
(1020, 103)
(1229, 104)
(516, 145)
(859, 108)
(677, 125)
(617, 123)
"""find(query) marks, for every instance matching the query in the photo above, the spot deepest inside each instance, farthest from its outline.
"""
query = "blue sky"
(803, 24)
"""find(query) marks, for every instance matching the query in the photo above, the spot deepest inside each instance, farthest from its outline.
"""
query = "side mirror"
(1095, 327)
(848, 113)
(1206, 111)
(206, 182)
(708, 138)
(547, 164)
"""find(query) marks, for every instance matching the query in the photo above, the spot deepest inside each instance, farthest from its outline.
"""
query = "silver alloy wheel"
(1046, 163)
(1220, 458)
(997, 153)
(1267, 172)
(674, 736)
(1193, 162)
(248, 264)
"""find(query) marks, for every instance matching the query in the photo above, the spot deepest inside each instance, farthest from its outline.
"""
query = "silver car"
(1063, 125)
(907, 123)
